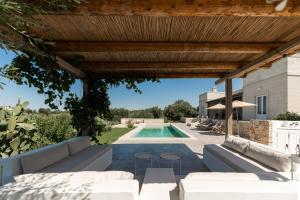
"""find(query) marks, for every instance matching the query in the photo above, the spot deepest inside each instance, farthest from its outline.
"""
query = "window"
(261, 105)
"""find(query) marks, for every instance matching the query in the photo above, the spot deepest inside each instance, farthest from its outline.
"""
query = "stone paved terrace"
(191, 151)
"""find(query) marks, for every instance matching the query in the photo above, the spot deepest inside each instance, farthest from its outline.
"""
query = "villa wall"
(256, 130)
(142, 120)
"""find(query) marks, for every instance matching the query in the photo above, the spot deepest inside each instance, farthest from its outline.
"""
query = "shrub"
(130, 124)
(289, 116)
(102, 125)
(180, 109)
(55, 128)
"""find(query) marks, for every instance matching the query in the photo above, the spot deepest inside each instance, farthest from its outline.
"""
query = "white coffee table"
(159, 184)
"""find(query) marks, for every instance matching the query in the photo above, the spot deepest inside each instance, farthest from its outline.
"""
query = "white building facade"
(274, 90)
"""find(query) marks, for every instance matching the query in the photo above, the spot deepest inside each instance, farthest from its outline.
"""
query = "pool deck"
(190, 150)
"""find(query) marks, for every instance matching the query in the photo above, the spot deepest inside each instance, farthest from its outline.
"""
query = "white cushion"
(78, 161)
(82, 176)
(269, 157)
(234, 176)
(238, 144)
(78, 144)
(229, 190)
(234, 160)
(106, 190)
(40, 158)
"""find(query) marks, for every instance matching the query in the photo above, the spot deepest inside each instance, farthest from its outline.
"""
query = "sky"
(153, 94)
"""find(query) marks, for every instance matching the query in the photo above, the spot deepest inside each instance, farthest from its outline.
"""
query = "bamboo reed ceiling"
(170, 38)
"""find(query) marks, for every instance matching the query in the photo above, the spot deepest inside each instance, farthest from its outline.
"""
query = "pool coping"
(130, 134)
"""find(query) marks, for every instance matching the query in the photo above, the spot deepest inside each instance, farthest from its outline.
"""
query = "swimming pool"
(163, 132)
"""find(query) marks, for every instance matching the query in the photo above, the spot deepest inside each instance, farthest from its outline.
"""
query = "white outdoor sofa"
(241, 155)
(241, 169)
(87, 185)
(76, 154)
(237, 186)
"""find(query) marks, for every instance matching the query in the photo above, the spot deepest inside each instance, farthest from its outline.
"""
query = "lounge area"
(106, 44)
(75, 169)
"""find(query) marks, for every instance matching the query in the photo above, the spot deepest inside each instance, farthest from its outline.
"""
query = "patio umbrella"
(217, 107)
(240, 104)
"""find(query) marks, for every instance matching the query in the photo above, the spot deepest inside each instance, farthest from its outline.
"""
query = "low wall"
(255, 130)
(142, 120)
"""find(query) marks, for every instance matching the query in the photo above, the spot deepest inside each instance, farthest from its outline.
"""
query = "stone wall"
(255, 130)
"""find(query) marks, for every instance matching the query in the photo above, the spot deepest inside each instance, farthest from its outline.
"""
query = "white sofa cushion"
(238, 144)
(78, 144)
(40, 158)
(235, 160)
(78, 161)
(234, 176)
(83, 176)
(237, 190)
(62, 188)
(269, 157)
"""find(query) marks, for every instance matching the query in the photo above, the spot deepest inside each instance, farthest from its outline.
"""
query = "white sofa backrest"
(269, 156)
(43, 157)
(12, 165)
(236, 143)
(263, 154)
(78, 144)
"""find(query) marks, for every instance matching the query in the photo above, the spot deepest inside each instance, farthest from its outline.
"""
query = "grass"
(109, 137)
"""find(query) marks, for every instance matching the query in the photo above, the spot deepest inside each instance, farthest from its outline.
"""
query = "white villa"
(274, 90)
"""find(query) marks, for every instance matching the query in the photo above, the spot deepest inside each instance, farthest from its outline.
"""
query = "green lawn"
(109, 137)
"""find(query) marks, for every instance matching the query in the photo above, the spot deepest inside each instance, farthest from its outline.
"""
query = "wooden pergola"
(222, 39)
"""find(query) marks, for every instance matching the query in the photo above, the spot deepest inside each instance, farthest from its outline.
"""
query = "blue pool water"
(165, 131)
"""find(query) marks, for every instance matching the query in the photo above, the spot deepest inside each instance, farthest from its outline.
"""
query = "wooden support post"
(85, 88)
(228, 111)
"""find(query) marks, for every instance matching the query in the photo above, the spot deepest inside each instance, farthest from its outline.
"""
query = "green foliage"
(16, 20)
(118, 113)
(179, 109)
(45, 111)
(54, 128)
(43, 73)
(154, 112)
(102, 125)
(130, 124)
(16, 133)
(289, 116)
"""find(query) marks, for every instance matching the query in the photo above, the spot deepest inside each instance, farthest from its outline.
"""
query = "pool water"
(165, 131)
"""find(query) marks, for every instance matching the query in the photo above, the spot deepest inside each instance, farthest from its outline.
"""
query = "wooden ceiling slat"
(254, 48)
(196, 66)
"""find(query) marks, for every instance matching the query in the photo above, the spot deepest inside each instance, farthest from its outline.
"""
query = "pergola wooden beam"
(159, 75)
(70, 68)
(159, 65)
(73, 46)
(183, 8)
(284, 50)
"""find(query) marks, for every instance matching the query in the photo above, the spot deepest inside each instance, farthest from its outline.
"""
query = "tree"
(179, 109)
(45, 111)
(118, 113)
(156, 112)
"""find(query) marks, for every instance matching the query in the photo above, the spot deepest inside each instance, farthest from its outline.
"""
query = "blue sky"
(153, 94)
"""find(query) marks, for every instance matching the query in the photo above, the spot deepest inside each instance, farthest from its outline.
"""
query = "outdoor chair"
(217, 128)
(204, 126)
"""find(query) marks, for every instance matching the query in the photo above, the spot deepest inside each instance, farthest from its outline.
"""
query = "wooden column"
(85, 93)
(229, 110)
